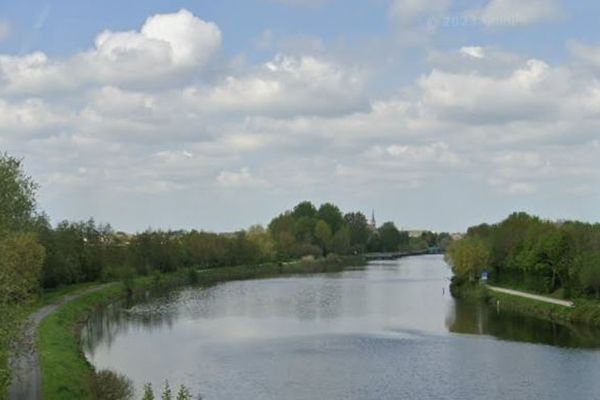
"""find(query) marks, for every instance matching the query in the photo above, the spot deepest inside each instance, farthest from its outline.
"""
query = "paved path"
(25, 363)
(545, 299)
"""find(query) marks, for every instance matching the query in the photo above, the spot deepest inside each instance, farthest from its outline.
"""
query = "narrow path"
(545, 299)
(25, 362)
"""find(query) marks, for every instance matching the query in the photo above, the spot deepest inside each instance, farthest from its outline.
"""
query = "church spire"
(373, 224)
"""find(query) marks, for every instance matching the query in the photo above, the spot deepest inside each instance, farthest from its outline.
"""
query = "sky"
(217, 115)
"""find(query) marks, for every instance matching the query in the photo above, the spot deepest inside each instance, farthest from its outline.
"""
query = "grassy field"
(65, 371)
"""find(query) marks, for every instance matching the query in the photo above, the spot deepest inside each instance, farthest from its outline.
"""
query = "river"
(390, 330)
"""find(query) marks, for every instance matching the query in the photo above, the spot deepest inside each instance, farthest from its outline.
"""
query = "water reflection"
(480, 319)
(123, 317)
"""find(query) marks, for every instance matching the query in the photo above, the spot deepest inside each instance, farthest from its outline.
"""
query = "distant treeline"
(35, 254)
(530, 253)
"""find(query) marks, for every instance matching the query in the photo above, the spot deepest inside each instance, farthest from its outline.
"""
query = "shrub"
(108, 385)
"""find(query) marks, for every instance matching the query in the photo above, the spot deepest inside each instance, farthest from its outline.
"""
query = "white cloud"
(29, 117)
(473, 51)
(413, 155)
(240, 179)
(529, 92)
(287, 85)
(167, 46)
(521, 188)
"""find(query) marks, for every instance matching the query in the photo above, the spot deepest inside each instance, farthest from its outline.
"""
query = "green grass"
(65, 371)
(12, 318)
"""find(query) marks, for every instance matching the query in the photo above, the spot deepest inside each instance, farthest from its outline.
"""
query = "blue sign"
(484, 276)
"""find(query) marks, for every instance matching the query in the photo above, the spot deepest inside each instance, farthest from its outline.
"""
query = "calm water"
(390, 331)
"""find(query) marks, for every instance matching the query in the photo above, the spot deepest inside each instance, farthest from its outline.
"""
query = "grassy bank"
(585, 312)
(65, 371)
(12, 318)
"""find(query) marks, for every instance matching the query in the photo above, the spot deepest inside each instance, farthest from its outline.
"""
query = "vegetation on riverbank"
(67, 374)
(558, 259)
(532, 254)
(584, 312)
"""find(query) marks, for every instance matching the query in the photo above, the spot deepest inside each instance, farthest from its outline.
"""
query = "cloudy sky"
(219, 114)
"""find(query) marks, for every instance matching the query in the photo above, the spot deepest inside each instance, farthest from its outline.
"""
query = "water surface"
(389, 331)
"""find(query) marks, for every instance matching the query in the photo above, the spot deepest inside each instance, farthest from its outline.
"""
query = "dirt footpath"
(25, 363)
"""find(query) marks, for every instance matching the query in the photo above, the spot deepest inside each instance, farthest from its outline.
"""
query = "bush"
(108, 385)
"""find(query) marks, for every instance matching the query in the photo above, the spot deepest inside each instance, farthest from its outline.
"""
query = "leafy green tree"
(262, 239)
(331, 214)
(184, 393)
(589, 271)
(304, 228)
(304, 209)
(148, 392)
(323, 234)
(551, 255)
(390, 237)
(469, 257)
(21, 259)
(17, 196)
(340, 242)
(167, 394)
(358, 229)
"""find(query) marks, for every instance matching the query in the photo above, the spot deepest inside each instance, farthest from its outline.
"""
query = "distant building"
(372, 223)
(415, 233)
(456, 236)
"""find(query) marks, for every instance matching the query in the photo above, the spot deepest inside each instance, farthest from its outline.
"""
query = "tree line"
(34, 254)
(531, 253)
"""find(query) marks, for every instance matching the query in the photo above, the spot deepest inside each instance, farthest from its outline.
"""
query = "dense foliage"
(534, 254)
(21, 255)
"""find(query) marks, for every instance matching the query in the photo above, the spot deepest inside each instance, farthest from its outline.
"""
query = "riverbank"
(584, 312)
(65, 371)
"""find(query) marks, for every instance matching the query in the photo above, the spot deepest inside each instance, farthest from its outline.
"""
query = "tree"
(468, 257)
(21, 259)
(17, 196)
(390, 237)
(588, 266)
(323, 234)
(551, 255)
(167, 394)
(304, 209)
(184, 393)
(148, 392)
(340, 243)
(262, 239)
(303, 229)
(358, 230)
(331, 214)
